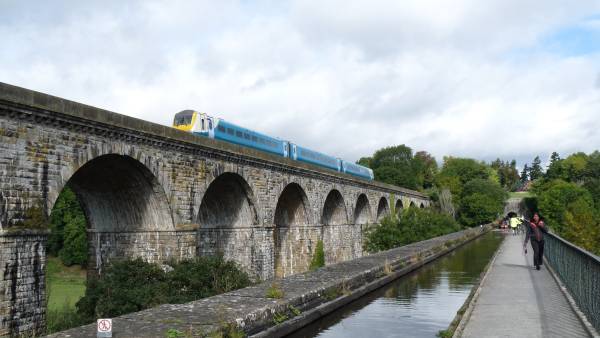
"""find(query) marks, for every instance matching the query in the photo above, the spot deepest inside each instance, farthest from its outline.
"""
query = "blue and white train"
(215, 128)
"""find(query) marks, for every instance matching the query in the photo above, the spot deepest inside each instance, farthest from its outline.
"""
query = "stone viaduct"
(154, 192)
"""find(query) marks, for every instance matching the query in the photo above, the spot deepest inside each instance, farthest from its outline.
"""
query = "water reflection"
(417, 305)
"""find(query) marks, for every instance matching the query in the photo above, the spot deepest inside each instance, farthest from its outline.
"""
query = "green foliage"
(133, 285)
(63, 319)
(482, 201)
(456, 172)
(74, 250)
(68, 224)
(478, 209)
(535, 171)
(204, 277)
(396, 165)
(413, 225)
(34, 218)
(279, 318)
(508, 175)
(318, 259)
(554, 198)
(400, 175)
(274, 291)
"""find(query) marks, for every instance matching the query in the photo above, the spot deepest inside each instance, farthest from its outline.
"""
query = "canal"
(419, 304)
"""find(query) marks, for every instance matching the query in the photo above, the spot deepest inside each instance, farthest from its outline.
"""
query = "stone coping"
(28, 98)
(306, 296)
(18, 231)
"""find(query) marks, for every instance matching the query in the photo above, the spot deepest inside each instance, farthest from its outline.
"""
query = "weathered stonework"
(154, 192)
(22, 282)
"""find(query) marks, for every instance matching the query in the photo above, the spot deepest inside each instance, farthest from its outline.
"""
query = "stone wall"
(22, 282)
(140, 184)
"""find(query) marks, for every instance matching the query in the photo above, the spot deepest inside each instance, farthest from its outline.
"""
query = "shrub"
(318, 260)
(124, 286)
(413, 225)
(132, 285)
(204, 277)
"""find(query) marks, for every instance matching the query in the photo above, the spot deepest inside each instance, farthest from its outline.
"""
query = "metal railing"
(579, 271)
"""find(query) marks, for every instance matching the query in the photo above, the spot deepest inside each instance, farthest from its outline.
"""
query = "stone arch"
(228, 203)
(292, 207)
(118, 193)
(362, 211)
(412, 204)
(292, 240)
(125, 208)
(399, 207)
(422, 206)
(383, 208)
(334, 209)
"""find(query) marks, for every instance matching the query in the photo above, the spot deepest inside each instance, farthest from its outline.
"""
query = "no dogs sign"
(104, 328)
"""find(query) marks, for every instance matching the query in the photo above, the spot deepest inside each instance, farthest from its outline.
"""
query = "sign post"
(104, 328)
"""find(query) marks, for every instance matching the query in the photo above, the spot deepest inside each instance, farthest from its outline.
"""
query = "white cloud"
(457, 78)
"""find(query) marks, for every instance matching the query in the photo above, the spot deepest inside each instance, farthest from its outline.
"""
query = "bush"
(318, 260)
(482, 201)
(133, 285)
(204, 277)
(413, 225)
(124, 286)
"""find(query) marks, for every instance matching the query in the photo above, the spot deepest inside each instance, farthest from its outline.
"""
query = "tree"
(555, 168)
(456, 172)
(536, 169)
(365, 161)
(396, 176)
(482, 201)
(425, 168)
(525, 174)
(68, 229)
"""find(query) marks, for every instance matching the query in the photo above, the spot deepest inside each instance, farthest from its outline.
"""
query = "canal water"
(419, 304)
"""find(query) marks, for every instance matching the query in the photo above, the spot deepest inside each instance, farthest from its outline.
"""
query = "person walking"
(514, 223)
(535, 230)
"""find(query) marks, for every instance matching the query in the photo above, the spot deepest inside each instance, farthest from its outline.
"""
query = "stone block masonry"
(22, 282)
(158, 193)
(306, 296)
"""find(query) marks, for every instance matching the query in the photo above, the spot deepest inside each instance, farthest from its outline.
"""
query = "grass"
(519, 194)
(66, 284)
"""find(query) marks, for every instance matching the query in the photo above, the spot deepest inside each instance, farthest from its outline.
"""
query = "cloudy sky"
(481, 79)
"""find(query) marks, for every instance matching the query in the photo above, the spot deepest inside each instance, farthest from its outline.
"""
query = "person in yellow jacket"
(514, 224)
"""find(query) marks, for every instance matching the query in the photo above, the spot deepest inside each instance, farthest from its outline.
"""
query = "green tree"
(365, 161)
(525, 174)
(425, 168)
(74, 250)
(482, 201)
(456, 172)
(68, 229)
(536, 169)
(396, 176)
(555, 169)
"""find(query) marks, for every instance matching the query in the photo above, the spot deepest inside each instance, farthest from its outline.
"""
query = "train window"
(239, 134)
(229, 131)
(261, 140)
(202, 124)
(246, 136)
(221, 129)
(254, 138)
